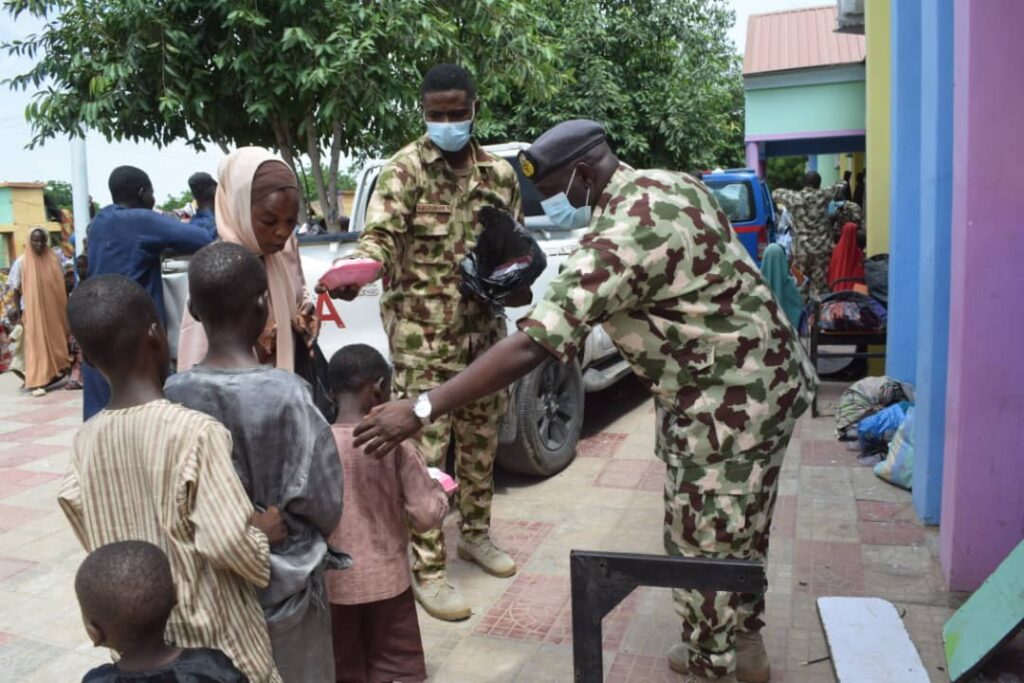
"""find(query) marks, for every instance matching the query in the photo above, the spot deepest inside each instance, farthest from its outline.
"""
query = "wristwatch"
(422, 408)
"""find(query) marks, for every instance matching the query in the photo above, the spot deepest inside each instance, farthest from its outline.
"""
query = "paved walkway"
(838, 531)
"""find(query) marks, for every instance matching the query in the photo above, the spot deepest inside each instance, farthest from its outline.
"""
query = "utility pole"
(79, 192)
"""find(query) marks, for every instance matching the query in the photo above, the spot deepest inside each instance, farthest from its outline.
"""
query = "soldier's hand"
(386, 426)
(347, 293)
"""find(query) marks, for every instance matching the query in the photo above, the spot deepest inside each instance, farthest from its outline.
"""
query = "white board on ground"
(868, 642)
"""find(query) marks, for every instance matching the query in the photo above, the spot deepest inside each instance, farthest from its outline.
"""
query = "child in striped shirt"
(148, 470)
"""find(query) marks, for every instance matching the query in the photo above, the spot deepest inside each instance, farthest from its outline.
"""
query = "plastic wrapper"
(505, 260)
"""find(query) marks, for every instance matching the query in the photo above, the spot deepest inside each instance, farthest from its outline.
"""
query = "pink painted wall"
(983, 477)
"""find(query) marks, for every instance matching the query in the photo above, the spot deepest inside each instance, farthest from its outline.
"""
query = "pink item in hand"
(348, 272)
(447, 483)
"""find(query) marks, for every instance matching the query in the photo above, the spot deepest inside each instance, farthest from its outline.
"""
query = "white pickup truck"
(539, 432)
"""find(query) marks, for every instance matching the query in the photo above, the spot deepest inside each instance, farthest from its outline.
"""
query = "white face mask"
(561, 211)
(450, 137)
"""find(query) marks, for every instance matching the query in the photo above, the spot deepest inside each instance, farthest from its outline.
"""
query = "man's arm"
(388, 216)
(160, 233)
(388, 425)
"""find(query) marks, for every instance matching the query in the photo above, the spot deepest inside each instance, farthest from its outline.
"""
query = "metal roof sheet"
(798, 39)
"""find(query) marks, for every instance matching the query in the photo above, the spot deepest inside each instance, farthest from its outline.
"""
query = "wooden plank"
(868, 642)
(989, 618)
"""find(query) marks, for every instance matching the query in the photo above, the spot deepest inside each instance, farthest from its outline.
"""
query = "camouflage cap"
(560, 146)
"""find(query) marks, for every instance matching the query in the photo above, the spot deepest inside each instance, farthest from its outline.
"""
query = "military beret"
(560, 146)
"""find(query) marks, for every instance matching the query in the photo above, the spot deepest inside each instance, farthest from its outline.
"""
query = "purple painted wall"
(983, 477)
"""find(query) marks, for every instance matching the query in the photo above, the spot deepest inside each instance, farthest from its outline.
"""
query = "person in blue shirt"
(127, 238)
(204, 189)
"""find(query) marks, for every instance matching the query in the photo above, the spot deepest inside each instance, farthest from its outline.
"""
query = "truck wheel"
(549, 416)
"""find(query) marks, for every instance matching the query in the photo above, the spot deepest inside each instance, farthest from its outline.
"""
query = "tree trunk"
(283, 137)
(313, 149)
(334, 213)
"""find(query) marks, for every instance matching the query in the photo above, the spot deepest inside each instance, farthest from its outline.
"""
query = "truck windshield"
(735, 198)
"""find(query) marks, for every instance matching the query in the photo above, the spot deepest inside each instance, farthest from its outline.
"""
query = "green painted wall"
(808, 108)
(6, 206)
(827, 169)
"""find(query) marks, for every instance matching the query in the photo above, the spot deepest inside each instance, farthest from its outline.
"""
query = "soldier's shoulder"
(409, 157)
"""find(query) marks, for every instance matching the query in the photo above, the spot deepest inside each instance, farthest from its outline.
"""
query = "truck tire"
(548, 409)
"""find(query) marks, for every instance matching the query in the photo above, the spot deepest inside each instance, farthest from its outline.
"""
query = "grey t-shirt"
(284, 453)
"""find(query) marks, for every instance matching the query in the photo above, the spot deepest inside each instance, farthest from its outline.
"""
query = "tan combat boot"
(440, 599)
(679, 661)
(483, 552)
(751, 658)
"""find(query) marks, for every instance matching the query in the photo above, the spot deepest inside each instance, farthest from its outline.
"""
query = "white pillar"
(79, 192)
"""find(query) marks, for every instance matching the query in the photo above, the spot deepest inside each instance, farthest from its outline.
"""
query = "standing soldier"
(420, 223)
(665, 275)
(812, 247)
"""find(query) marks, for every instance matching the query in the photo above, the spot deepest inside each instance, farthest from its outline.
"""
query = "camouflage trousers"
(474, 431)
(718, 526)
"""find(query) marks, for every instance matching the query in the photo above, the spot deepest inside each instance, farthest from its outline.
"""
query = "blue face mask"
(561, 211)
(450, 137)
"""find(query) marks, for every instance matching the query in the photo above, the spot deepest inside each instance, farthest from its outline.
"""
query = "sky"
(170, 167)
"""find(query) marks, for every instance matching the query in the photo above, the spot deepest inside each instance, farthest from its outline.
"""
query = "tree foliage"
(661, 75)
(175, 202)
(321, 78)
(786, 172)
(58, 193)
(326, 79)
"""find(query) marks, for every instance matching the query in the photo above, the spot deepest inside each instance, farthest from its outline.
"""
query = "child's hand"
(271, 523)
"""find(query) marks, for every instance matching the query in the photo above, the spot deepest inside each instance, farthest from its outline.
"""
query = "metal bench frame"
(601, 580)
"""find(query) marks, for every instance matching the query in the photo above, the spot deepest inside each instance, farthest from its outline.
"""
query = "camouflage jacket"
(420, 223)
(663, 272)
(812, 244)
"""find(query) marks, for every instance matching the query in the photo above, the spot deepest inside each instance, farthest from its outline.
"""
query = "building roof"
(23, 186)
(798, 39)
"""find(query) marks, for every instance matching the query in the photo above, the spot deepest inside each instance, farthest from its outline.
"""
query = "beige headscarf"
(234, 224)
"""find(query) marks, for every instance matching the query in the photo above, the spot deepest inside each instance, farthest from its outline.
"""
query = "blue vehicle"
(747, 202)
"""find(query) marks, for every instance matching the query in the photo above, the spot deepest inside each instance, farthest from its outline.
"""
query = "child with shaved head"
(126, 594)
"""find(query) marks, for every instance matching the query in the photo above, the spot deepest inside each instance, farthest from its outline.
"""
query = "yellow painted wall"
(878, 39)
(28, 211)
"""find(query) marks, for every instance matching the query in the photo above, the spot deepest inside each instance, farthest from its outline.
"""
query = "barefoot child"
(283, 450)
(373, 613)
(149, 470)
(126, 595)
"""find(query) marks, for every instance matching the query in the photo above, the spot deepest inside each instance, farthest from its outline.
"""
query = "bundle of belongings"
(877, 412)
(504, 263)
(851, 311)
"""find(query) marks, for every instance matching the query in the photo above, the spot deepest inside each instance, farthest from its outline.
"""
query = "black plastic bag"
(313, 369)
(505, 260)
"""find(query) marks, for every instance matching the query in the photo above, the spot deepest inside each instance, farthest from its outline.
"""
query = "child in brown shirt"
(373, 613)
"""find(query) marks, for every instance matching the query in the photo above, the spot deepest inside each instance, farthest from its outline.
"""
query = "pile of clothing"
(877, 412)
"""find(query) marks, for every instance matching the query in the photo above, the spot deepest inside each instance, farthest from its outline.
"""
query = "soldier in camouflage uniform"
(421, 222)
(663, 272)
(812, 245)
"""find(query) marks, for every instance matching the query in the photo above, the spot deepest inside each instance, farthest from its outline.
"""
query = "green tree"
(58, 193)
(661, 75)
(787, 172)
(173, 203)
(344, 181)
(320, 78)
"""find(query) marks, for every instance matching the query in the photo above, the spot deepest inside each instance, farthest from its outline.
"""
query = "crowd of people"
(210, 499)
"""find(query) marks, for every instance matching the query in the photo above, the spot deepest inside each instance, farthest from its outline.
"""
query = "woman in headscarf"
(775, 268)
(847, 262)
(38, 283)
(257, 206)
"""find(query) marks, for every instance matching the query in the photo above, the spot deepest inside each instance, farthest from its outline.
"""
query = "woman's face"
(274, 218)
(38, 241)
